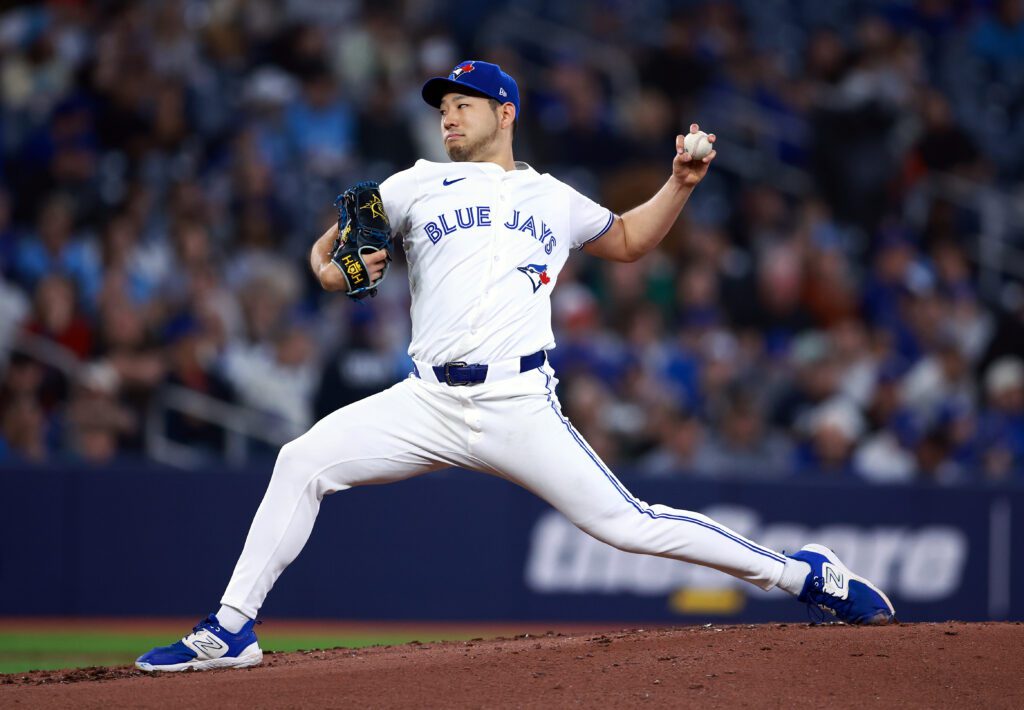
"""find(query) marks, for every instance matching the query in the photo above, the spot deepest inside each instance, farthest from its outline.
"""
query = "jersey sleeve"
(587, 219)
(398, 193)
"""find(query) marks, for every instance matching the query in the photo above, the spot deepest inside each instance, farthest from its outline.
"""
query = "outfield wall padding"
(456, 545)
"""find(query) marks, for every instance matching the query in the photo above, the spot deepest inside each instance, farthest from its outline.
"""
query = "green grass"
(46, 650)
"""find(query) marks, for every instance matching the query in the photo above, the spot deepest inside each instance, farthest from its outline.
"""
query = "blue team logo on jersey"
(538, 274)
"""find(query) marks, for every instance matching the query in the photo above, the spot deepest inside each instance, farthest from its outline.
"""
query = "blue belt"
(461, 374)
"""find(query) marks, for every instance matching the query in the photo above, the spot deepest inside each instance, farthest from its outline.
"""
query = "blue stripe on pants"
(635, 503)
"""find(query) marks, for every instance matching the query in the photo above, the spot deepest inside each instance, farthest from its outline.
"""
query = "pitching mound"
(910, 665)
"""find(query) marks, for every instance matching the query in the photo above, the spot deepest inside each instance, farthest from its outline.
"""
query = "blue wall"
(457, 545)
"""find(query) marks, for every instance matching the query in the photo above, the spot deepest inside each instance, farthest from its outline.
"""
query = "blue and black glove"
(363, 228)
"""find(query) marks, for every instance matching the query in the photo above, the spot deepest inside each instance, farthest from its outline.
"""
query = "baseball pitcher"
(486, 238)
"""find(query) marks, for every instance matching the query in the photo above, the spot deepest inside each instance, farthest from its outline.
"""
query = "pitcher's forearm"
(647, 224)
(320, 261)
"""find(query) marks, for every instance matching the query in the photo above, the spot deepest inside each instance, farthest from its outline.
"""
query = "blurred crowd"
(816, 312)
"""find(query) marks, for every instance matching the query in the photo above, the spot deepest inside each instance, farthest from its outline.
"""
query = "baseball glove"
(363, 228)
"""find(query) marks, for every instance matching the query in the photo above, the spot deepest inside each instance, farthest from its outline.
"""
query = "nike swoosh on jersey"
(446, 182)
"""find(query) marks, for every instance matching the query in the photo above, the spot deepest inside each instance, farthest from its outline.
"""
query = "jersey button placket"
(492, 264)
(495, 242)
(470, 414)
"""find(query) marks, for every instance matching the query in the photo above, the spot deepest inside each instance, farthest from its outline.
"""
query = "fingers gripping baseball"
(694, 153)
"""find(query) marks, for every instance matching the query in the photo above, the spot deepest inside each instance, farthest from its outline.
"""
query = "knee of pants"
(293, 462)
(623, 531)
(301, 463)
(297, 465)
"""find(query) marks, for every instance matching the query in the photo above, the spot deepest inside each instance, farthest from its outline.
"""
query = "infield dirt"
(909, 665)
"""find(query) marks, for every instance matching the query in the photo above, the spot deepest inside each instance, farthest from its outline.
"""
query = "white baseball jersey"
(485, 247)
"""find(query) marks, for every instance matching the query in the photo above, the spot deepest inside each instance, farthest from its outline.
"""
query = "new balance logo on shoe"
(205, 642)
(834, 581)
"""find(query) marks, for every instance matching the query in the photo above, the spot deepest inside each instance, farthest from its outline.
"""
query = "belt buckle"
(448, 374)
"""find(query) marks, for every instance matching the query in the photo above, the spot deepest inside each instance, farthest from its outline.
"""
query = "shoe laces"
(207, 623)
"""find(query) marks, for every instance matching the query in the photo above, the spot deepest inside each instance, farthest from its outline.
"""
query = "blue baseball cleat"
(208, 646)
(832, 587)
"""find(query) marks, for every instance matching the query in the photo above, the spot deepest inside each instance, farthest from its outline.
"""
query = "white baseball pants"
(512, 428)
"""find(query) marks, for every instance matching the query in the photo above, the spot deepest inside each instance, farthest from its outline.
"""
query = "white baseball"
(697, 145)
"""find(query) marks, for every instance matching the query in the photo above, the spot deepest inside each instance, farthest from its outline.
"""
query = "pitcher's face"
(469, 126)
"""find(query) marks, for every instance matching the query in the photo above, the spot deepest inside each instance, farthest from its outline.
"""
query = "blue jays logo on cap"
(460, 70)
(474, 77)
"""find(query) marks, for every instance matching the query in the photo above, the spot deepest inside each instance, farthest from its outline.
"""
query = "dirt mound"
(779, 665)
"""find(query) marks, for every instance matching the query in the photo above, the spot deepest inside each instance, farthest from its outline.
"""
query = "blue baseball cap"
(481, 77)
